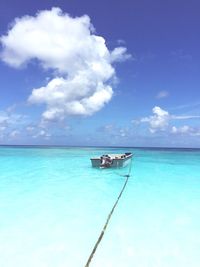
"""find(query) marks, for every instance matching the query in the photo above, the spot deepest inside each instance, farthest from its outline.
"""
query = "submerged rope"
(109, 216)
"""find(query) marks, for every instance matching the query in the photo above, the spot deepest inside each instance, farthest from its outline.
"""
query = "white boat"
(112, 160)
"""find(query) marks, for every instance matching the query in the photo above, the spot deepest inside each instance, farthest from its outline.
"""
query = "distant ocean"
(53, 205)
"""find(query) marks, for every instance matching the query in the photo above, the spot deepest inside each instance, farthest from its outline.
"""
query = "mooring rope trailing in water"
(109, 216)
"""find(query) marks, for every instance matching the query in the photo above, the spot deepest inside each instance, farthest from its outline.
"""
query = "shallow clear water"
(53, 205)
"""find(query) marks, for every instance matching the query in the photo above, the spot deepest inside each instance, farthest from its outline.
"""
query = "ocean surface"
(53, 206)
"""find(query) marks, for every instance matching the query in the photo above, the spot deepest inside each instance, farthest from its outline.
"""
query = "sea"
(53, 206)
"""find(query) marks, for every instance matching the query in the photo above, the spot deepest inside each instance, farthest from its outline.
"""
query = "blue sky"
(122, 73)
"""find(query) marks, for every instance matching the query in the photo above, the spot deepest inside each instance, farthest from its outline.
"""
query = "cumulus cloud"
(161, 120)
(183, 129)
(119, 54)
(158, 121)
(71, 96)
(69, 47)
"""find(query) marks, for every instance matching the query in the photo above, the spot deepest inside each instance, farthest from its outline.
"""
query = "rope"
(109, 216)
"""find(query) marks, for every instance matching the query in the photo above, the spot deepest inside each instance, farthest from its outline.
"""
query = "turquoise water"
(53, 206)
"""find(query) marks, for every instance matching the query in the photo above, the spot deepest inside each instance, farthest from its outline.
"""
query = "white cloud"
(42, 133)
(161, 119)
(187, 106)
(186, 130)
(158, 121)
(119, 54)
(8, 119)
(182, 129)
(11, 124)
(68, 46)
(63, 96)
(162, 94)
(185, 117)
(121, 42)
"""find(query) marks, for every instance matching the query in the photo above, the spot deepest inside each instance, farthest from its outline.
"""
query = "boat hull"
(117, 162)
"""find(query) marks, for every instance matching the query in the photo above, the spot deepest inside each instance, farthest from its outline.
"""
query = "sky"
(100, 73)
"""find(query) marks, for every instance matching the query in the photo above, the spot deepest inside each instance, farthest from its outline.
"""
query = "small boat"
(112, 160)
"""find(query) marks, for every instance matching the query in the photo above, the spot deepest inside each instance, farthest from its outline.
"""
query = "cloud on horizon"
(186, 130)
(11, 124)
(79, 60)
(161, 119)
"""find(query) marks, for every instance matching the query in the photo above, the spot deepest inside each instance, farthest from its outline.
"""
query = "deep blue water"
(53, 205)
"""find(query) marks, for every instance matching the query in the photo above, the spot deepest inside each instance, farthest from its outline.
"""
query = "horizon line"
(92, 146)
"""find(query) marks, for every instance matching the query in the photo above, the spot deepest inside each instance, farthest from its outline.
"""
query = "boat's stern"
(96, 162)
